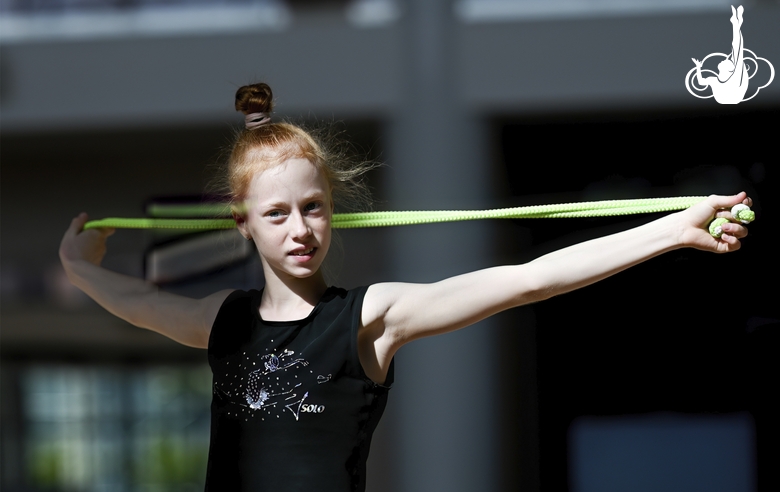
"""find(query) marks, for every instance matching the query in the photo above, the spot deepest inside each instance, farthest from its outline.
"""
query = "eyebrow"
(314, 195)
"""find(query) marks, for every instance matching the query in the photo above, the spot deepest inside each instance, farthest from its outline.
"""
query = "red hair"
(270, 144)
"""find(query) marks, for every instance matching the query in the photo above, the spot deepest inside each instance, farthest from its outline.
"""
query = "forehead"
(290, 178)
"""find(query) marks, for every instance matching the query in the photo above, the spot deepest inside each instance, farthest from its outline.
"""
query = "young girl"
(301, 370)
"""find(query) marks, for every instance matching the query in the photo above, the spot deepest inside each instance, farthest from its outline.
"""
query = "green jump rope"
(170, 216)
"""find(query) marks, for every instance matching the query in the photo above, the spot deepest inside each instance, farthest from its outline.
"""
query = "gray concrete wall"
(325, 66)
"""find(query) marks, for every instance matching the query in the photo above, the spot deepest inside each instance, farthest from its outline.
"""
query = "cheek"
(267, 242)
(324, 237)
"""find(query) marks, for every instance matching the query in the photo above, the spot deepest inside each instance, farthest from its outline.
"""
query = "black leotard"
(292, 408)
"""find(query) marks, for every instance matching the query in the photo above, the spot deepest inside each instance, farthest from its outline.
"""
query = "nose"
(299, 226)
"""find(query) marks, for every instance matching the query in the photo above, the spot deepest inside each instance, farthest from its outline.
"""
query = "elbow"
(132, 316)
(533, 286)
(540, 292)
(140, 310)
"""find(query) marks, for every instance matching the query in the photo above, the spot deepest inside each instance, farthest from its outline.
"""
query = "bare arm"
(395, 313)
(187, 321)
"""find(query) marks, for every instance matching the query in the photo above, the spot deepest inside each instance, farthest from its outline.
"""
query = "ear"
(241, 224)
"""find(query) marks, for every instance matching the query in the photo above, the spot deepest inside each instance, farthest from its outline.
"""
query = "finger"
(748, 201)
(737, 230)
(720, 201)
(726, 214)
(77, 224)
(732, 242)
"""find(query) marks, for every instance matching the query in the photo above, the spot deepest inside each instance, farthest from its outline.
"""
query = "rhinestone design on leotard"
(274, 388)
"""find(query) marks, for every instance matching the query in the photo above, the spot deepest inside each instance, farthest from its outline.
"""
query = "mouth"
(304, 252)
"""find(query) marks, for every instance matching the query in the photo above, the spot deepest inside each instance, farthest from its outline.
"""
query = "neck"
(287, 298)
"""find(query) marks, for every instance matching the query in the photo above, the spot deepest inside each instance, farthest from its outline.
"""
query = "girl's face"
(288, 213)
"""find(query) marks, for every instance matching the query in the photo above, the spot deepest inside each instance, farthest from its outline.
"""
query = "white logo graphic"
(730, 84)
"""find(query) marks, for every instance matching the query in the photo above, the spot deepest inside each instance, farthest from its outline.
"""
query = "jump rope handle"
(740, 211)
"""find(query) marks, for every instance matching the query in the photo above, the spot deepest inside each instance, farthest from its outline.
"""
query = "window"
(99, 428)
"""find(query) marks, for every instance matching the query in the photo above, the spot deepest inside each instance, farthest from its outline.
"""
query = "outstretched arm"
(395, 313)
(188, 321)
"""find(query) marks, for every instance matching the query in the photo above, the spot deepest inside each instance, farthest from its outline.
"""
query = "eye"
(275, 214)
(310, 207)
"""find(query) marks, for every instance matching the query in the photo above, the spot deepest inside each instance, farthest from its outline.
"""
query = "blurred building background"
(661, 378)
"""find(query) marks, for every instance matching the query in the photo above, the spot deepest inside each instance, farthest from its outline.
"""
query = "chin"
(302, 273)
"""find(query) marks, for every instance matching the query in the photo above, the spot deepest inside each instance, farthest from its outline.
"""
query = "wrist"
(673, 231)
(76, 269)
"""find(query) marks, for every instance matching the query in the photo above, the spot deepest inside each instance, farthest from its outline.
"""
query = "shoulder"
(229, 301)
(339, 295)
(238, 295)
(376, 344)
(228, 309)
(379, 298)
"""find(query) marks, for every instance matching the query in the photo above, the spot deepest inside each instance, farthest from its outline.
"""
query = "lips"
(303, 252)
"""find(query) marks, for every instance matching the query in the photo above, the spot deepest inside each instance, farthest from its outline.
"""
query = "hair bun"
(255, 98)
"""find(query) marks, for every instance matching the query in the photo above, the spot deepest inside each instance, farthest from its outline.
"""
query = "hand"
(80, 245)
(696, 62)
(695, 222)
